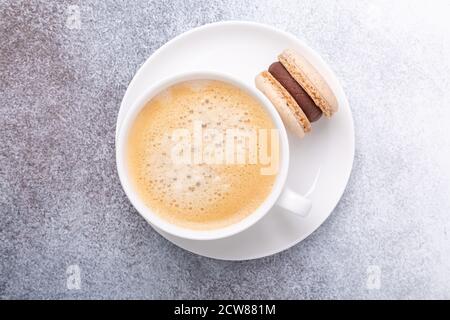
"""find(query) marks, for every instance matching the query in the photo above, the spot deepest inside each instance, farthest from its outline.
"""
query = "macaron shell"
(310, 79)
(292, 115)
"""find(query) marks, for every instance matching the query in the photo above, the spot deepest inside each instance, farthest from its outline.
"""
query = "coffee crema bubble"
(181, 127)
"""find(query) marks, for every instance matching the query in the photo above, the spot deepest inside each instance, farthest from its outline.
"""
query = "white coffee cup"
(280, 195)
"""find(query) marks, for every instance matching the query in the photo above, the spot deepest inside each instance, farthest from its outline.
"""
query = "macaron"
(298, 91)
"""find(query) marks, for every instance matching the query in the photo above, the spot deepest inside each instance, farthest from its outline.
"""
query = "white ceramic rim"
(161, 223)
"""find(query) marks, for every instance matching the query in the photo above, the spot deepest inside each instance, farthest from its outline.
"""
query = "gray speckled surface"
(60, 199)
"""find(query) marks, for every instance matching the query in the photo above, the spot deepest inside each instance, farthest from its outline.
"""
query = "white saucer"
(325, 156)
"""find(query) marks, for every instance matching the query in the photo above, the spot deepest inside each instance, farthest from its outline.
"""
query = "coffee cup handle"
(294, 202)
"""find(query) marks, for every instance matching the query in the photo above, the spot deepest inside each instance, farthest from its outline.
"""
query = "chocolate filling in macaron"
(311, 110)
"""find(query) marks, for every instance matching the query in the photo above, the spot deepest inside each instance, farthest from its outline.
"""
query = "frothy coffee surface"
(196, 195)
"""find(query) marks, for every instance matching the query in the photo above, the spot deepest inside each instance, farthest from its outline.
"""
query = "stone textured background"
(61, 204)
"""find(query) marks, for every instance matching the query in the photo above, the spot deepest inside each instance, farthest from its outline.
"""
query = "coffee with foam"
(195, 193)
